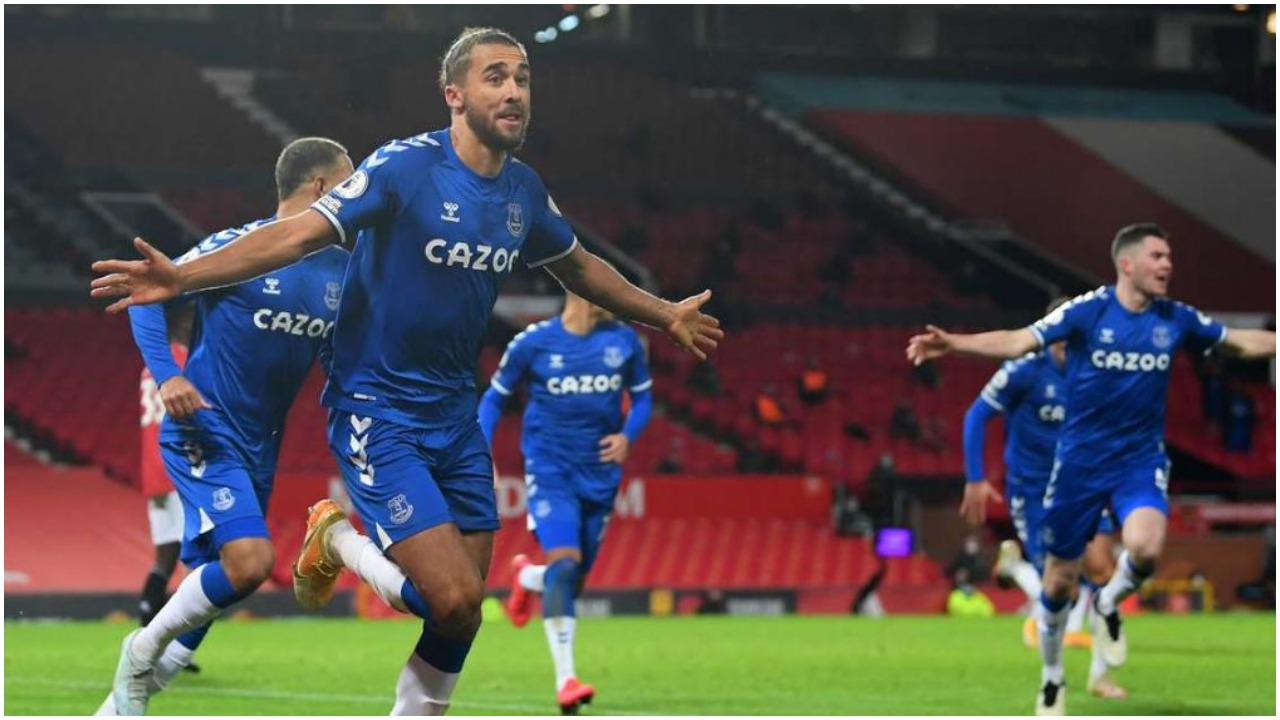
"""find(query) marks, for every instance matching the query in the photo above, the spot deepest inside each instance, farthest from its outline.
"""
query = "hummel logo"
(1107, 336)
(451, 212)
(272, 286)
(358, 449)
(557, 362)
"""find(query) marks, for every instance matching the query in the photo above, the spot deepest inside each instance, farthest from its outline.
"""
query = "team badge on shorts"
(515, 219)
(223, 499)
(613, 357)
(400, 509)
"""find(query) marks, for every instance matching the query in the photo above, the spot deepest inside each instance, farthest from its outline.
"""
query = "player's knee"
(1060, 579)
(1145, 555)
(456, 609)
(1144, 550)
(1099, 571)
(1058, 587)
(563, 581)
(249, 563)
(1099, 565)
(567, 569)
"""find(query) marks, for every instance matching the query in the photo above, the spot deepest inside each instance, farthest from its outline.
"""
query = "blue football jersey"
(253, 344)
(1118, 365)
(575, 387)
(435, 243)
(1031, 392)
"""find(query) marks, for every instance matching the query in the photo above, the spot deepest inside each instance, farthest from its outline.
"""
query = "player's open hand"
(692, 330)
(614, 448)
(933, 343)
(974, 506)
(181, 399)
(151, 280)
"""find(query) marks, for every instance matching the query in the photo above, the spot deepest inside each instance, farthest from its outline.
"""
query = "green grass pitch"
(1210, 665)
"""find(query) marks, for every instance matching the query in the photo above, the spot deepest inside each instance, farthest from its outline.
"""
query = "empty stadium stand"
(1053, 191)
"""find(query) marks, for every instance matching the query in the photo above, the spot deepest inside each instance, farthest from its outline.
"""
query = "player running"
(253, 344)
(1120, 343)
(1031, 392)
(436, 222)
(575, 439)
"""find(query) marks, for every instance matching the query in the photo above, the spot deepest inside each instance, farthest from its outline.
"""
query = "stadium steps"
(236, 87)
(44, 202)
(21, 452)
(37, 444)
(167, 129)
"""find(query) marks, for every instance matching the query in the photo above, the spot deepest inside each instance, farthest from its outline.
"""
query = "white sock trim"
(531, 578)
(363, 557)
(188, 609)
(1122, 584)
(176, 656)
(422, 689)
(1075, 620)
(560, 638)
(1097, 664)
(1053, 630)
(1024, 575)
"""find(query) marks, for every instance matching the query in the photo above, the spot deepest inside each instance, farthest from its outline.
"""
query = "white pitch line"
(382, 700)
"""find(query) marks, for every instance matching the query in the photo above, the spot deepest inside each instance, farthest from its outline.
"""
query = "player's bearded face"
(501, 129)
(496, 99)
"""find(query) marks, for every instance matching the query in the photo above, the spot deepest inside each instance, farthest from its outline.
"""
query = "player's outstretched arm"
(155, 278)
(1250, 344)
(978, 491)
(996, 344)
(585, 275)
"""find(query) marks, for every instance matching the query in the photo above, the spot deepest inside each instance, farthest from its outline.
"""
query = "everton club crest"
(515, 219)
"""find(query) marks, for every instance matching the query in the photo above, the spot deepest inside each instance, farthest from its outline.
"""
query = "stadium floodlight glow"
(1240, 7)
(551, 33)
(569, 23)
(540, 37)
(1271, 22)
(595, 12)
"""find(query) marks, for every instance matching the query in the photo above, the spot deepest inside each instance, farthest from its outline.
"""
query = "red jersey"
(154, 479)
